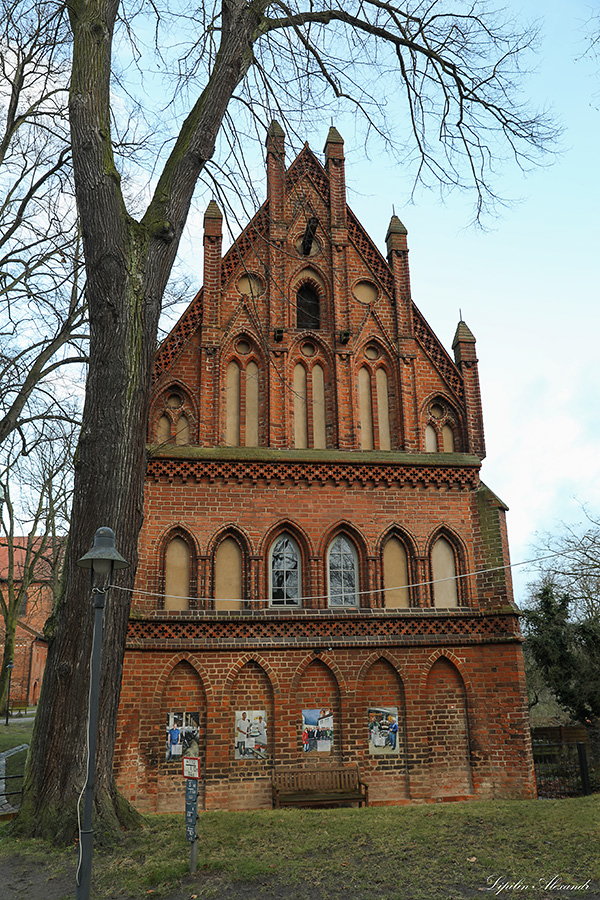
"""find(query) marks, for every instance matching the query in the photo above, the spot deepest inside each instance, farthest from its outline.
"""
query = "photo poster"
(317, 730)
(182, 734)
(383, 730)
(250, 734)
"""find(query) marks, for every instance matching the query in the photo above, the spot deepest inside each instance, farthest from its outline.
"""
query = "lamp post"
(10, 666)
(102, 559)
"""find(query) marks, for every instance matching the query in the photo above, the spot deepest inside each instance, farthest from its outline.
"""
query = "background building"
(322, 573)
(29, 571)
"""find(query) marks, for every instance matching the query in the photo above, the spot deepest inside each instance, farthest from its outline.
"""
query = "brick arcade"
(316, 534)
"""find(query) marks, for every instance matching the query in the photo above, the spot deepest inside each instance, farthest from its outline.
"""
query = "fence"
(12, 769)
(13, 788)
(563, 770)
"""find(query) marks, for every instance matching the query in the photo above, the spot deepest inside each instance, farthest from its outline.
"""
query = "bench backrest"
(325, 779)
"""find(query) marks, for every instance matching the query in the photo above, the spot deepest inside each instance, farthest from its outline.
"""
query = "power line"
(417, 584)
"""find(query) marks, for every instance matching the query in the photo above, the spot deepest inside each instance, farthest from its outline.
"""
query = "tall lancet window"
(177, 574)
(242, 390)
(343, 573)
(285, 572)
(443, 570)
(307, 308)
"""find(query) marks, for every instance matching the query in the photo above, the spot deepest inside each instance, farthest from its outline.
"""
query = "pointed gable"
(306, 248)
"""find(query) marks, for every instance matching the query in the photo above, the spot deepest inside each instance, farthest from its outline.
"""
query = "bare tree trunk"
(127, 264)
(7, 656)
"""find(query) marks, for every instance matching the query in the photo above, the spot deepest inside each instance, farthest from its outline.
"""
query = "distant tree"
(438, 80)
(566, 652)
(571, 562)
(42, 313)
(33, 526)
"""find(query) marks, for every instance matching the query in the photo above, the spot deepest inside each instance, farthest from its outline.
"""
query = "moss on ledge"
(266, 454)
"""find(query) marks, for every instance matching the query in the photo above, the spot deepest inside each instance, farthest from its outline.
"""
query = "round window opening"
(174, 401)
(365, 292)
(306, 245)
(308, 349)
(371, 352)
(243, 347)
(436, 411)
(251, 285)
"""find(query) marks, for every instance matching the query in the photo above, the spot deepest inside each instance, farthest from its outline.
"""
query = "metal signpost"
(191, 773)
(10, 666)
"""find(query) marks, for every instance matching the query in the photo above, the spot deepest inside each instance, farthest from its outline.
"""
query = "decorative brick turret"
(213, 238)
(397, 255)
(466, 360)
(335, 167)
(275, 144)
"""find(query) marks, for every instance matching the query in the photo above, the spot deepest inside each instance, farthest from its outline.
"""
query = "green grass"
(15, 733)
(430, 852)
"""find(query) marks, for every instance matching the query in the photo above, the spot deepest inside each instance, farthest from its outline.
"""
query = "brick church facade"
(322, 575)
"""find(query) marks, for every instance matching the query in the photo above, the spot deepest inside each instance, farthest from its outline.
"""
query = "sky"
(529, 290)
(527, 286)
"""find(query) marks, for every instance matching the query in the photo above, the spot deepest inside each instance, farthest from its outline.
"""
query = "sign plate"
(191, 767)
(191, 809)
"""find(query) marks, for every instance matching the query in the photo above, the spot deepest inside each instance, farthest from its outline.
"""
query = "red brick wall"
(448, 732)
(452, 710)
(387, 776)
(456, 678)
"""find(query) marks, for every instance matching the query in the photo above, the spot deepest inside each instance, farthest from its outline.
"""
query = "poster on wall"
(250, 734)
(183, 734)
(383, 730)
(317, 730)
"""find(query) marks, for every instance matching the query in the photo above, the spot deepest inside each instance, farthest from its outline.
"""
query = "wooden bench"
(18, 708)
(319, 787)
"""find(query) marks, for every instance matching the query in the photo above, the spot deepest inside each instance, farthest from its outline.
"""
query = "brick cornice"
(318, 630)
(402, 469)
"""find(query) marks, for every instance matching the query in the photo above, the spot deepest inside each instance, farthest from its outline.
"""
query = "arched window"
(182, 431)
(342, 565)
(307, 308)
(447, 439)
(252, 392)
(395, 574)
(309, 408)
(177, 574)
(300, 410)
(228, 575)
(430, 439)
(443, 570)
(373, 403)
(232, 406)
(365, 407)
(383, 413)
(285, 572)
(441, 428)
(163, 430)
(318, 407)
(242, 404)
(175, 423)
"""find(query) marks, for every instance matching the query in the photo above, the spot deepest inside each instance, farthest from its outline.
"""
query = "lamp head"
(103, 557)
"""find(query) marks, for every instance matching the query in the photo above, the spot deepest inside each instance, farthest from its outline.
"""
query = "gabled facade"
(322, 575)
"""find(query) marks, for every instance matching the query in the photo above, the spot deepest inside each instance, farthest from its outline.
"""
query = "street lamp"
(10, 666)
(102, 559)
